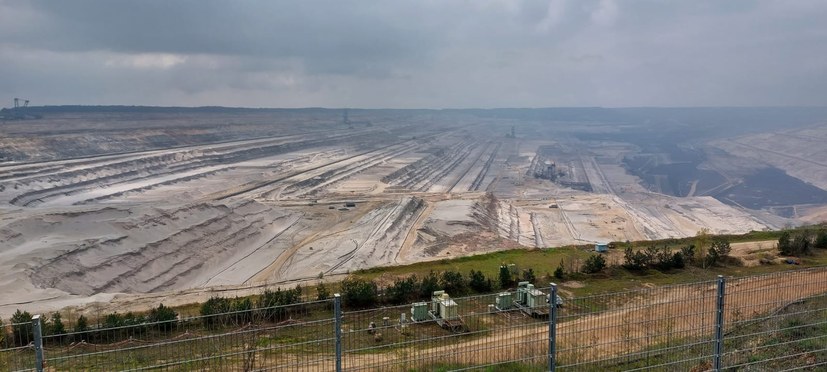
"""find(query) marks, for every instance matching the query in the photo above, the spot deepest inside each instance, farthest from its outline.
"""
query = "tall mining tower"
(18, 112)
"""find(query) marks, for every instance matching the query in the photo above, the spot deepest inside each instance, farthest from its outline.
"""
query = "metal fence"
(768, 322)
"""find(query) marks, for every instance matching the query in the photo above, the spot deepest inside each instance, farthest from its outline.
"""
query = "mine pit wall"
(426, 173)
(196, 240)
(393, 235)
(374, 239)
(591, 218)
(316, 184)
(62, 135)
(139, 252)
(95, 175)
(486, 212)
(478, 180)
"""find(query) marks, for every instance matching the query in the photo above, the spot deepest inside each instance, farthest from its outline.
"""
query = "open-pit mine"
(101, 203)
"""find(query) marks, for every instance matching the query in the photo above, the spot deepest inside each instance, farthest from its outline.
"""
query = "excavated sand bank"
(299, 205)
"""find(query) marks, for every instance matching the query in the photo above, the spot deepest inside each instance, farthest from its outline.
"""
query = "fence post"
(552, 328)
(719, 324)
(337, 314)
(38, 343)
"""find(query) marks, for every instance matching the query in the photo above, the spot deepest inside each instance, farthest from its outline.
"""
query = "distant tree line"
(173, 109)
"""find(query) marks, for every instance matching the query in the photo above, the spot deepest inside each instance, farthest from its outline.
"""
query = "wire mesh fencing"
(660, 328)
(446, 333)
(766, 322)
(271, 338)
(16, 347)
(777, 321)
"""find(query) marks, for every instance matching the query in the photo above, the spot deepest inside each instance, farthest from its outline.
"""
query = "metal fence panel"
(273, 338)
(478, 336)
(667, 327)
(16, 348)
(777, 321)
(769, 322)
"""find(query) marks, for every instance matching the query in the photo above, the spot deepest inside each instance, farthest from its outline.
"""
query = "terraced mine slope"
(99, 203)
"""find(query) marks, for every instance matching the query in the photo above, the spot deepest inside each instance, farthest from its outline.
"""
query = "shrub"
(659, 258)
(528, 276)
(214, 311)
(430, 283)
(821, 239)
(56, 326)
(688, 254)
(163, 317)
(711, 258)
(798, 244)
(505, 277)
(635, 260)
(560, 272)
(242, 310)
(322, 293)
(113, 320)
(719, 250)
(130, 319)
(722, 247)
(55, 329)
(702, 239)
(81, 329)
(785, 244)
(802, 243)
(594, 264)
(274, 304)
(454, 283)
(21, 328)
(359, 293)
(678, 261)
(479, 283)
(403, 290)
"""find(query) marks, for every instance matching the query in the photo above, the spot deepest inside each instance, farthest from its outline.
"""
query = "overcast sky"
(409, 54)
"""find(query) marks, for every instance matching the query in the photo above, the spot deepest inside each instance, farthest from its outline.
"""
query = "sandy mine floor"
(295, 205)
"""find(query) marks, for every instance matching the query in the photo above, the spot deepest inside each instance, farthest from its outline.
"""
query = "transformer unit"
(443, 309)
(504, 300)
(419, 311)
(531, 301)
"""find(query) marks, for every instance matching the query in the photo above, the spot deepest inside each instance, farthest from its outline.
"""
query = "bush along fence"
(767, 322)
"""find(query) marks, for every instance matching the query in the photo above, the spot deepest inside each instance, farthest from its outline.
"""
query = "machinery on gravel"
(531, 301)
(443, 310)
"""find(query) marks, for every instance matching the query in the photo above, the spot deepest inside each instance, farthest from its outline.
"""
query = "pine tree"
(322, 293)
(785, 243)
(560, 271)
(81, 328)
(21, 328)
(56, 327)
(505, 277)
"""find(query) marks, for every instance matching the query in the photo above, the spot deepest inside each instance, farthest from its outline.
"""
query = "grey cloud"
(332, 36)
(424, 53)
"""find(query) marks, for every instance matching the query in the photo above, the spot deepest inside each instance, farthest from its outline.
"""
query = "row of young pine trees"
(269, 306)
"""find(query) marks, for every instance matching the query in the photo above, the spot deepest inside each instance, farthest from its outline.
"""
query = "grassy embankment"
(544, 261)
